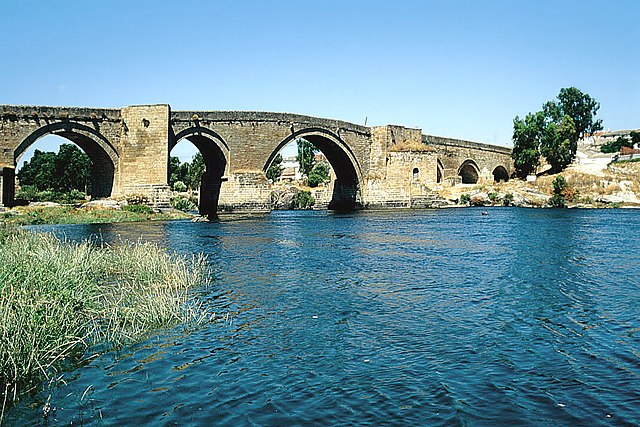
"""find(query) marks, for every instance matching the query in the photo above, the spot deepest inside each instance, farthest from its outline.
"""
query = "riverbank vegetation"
(32, 215)
(57, 299)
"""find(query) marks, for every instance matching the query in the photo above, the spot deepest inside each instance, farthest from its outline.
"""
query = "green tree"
(579, 106)
(318, 175)
(195, 170)
(275, 168)
(527, 137)
(306, 154)
(559, 187)
(69, 169)
(174, 171)
(39, 171)
(73, 169)
(559, 143)
(635, 137)
(554, 131)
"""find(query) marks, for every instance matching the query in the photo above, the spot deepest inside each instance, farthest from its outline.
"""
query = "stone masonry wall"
(135, 142)
(144, 153)
(452, 153)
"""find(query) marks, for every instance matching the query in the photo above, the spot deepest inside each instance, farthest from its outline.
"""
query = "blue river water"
(434, 317)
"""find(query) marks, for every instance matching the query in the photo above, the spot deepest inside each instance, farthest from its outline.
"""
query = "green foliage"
(306, 154)
(28, 215)
(465, 199)
(195, 171)
(507, 200)
(318, 175)
(69, 169)
(559, 144)
(554, 131)
(303, 200)
(615, 146)
(140, 209)
(31, 193)
(275, 169)
(57, 299)
(559, 184)
(493, 197)
(579, 106)
(527, 137)
(188, 173)
(560, 191)
(183, 204)
(635, 138)
(179, 186)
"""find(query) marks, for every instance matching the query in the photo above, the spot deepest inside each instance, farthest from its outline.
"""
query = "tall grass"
(56, 299)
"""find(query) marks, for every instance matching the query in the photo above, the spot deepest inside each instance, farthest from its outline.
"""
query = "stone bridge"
(383, 166)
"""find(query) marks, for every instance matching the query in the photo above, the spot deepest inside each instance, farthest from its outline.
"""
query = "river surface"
(435, 317)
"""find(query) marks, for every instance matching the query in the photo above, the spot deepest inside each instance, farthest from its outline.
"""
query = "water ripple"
(521, 317)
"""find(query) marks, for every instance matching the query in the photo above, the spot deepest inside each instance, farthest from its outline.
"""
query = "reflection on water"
(397, 318)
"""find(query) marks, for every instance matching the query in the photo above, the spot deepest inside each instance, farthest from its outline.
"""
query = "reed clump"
(56, 299)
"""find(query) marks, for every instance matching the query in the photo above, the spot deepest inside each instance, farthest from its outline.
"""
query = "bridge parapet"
(443, 141)
(81, 114)
(266, 117)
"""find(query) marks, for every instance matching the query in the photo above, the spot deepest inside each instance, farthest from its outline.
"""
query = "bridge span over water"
(381, 166)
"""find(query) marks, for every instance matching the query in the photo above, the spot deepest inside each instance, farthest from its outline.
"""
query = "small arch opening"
(416, 173)
(500, 174)
(469, 172)
(66, 165)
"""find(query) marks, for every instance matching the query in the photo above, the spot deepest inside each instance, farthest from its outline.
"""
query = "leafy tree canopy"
(554, 131)
(318, 175)
(188, 173)
(69, 169)
(306, 154)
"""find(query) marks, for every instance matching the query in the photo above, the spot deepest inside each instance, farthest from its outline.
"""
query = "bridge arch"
(469, 172)
(215, 153)
(103, 155)
(346, 187)
(500, 174)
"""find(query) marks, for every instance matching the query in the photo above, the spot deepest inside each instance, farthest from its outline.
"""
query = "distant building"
(290, 170)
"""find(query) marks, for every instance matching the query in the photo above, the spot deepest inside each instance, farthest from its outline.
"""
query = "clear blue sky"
(453, 68)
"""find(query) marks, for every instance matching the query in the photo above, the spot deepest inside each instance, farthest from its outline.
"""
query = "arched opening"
(439, 172)
(345, 187)
(469, 172)
(416, 173)
(67, 140)
(500, 174)
(207, 168)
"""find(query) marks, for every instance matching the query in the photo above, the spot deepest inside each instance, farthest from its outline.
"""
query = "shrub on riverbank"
(56, 299)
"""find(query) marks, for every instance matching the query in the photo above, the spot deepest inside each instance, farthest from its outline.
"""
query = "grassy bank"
(56, 299)
(29, 215)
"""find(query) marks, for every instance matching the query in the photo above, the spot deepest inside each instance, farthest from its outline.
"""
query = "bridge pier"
(7, 186)
(245, 192)
(144, 154)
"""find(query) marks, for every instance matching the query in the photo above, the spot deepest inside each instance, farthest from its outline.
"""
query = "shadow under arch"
(346, 187)
(215, 153)
(469, 172)
(439, 172)
(103, 155)
(500, 174)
